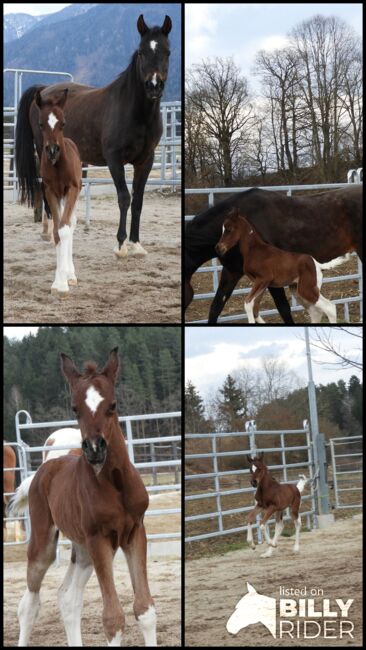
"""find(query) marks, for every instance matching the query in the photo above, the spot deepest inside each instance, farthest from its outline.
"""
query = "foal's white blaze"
(153, 45)
(52, 120)
(153, 80)
(253, 468)
(93, 399)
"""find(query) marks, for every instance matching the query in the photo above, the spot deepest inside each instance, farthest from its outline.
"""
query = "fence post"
(217, 482)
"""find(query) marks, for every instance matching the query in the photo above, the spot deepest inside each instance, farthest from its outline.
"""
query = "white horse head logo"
(253, 608)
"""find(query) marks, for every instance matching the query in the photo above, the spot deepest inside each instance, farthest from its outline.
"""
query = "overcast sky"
(240, 30)
(214, 352)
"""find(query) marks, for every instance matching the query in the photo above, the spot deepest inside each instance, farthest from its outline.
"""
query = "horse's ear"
(167, 25)
(69, 370)
(260, 455)
(250, 459)
(112, 366)
(38, 98)
(141, 25)
(62, 100)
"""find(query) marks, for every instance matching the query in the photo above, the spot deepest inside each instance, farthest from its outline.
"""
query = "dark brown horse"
(324, 225)
(98, 500)
(115, 125)
(273, 498)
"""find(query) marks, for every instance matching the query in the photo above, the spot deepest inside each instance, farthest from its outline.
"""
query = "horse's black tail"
(24, 149)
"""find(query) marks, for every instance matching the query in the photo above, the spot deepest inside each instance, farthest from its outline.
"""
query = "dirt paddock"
(133, 289)
(165, 586)
(329, 559)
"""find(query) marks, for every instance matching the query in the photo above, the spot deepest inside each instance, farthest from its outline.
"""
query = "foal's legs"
(267, 515)
(296, 518)
(250, 520)
(228, 281)
(278, 527)
(101, 552)
(70, 594)
(255, 293)
(143, 605)
(41, 554)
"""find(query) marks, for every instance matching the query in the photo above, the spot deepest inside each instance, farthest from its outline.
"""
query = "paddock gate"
(155, 454)
(353, 176)
(346, 458)
(167, 166)
(292, 448)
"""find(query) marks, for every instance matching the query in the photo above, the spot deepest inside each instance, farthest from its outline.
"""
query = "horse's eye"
(75, 409)
(112, 408)
(40, 125)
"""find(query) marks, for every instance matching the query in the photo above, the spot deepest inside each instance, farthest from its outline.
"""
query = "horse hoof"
(72, 282)
(121, 252)
(135, 248)
(45, 236)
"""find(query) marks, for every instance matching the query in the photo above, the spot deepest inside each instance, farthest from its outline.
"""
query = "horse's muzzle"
(220, 249)
(154, 87)
(53, 153)
(95, 452)
(254, 482)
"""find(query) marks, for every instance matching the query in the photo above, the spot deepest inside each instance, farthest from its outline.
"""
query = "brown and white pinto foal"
(273, 498)
(61, 177)
(269, 266)
(98, 501)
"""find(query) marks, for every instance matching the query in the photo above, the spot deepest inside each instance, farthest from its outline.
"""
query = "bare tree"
(220, 96)
(351, 357)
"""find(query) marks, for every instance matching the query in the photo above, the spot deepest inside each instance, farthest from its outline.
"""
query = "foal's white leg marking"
(28, 609)
(250, 537)
(57, 280)
(268, 552)
(135, 248)
(297, 523)
(116, 641)
(259, 319)
(71, 277)
(328, 308)
(264, 530)
(153, 45)
(62, 260)
(147, 624)
(70, 601)
(278, 531)
(249, 309)
(93, 399)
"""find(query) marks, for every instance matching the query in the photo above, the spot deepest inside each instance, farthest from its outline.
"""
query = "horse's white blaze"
(147, 623)
(154, 80)
(153, 45)
(253, 469)
(52, 120)
(93, 399)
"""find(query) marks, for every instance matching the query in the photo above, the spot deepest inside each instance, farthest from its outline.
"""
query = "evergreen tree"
(194, 410)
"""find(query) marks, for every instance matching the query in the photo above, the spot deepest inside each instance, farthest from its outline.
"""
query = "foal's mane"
(90, 368)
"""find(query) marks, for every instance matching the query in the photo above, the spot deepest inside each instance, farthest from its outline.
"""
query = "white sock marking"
(28, 609)
(147, 624)
(116, 641)
(93, 399)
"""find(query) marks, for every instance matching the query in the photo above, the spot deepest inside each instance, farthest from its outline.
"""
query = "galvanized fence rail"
(25, 453)
(347, 455)
(251, 439)
(215, 268)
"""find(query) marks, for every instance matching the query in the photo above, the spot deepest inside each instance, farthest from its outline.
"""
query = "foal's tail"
(336, 262)
(304, 481)
(19, 502)
(24, 149)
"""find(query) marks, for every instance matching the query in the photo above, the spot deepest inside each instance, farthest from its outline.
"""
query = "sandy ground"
(165, 585)
(164, 579)
(110, 290)
(329, 559)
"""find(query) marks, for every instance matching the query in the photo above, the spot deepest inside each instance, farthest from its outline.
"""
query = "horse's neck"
(142, 108)
(267, 481)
